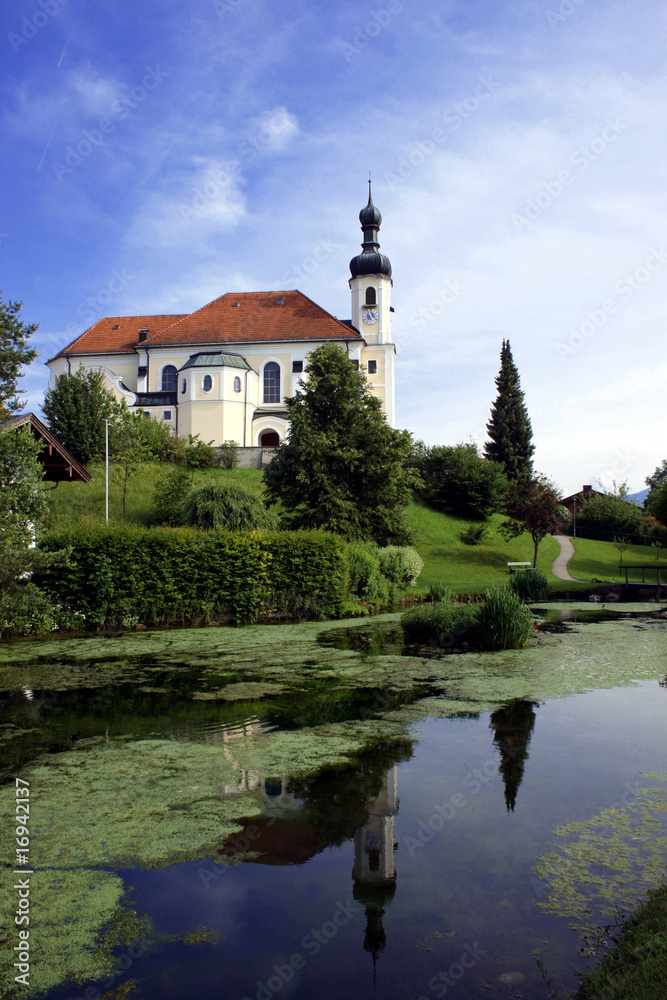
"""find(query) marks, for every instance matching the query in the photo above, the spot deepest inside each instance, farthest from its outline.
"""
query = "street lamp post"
(106, 468)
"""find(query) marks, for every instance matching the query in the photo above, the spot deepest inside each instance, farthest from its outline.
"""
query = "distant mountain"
(638, 498)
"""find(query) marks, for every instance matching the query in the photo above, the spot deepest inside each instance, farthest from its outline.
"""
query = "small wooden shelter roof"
(59, 464)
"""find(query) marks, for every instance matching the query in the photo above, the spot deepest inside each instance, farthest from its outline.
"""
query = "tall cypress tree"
(509, 427)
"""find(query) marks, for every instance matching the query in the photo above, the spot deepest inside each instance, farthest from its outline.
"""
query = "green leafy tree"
(343, 468)
(163, 445)
(24, 608)
(169, 497)
(14, 354)
(608, 515)
(76, 409)
(509, 428)
(658, 477)
(459, 481)
(196, 454)
(23, 504)
(533, 505)
(656, 502)
(129, 443)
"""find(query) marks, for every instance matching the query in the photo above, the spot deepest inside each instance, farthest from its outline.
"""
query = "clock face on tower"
(370, 316)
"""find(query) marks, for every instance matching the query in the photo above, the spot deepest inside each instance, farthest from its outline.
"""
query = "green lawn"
(73, 503)
(601, 560)
(470, 568)
(464, 568)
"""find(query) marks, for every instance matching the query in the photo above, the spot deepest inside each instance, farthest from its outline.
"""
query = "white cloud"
(95, 93)
(272, 132)
(208, 201)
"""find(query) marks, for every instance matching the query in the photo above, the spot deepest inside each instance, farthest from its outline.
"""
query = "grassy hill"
(470, 568)
(464, 568)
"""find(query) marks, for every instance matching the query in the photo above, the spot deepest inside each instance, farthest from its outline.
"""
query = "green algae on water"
(608, 862)
(124, 805)
(220, 662)
(154, 803)
(248, 691)
(69, 912)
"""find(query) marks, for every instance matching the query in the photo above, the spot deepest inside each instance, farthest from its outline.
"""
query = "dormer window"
(371, 299)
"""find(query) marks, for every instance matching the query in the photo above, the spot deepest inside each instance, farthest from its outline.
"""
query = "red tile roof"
(255, 317)
(102, 338)
(234, 318)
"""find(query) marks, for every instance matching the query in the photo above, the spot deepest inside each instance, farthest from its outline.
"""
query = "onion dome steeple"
(370, 261)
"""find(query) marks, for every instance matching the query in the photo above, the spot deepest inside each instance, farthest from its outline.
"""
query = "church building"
(224, 371)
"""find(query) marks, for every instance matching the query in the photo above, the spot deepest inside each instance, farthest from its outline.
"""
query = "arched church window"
(371, 300)
(169, 378)
(272, 382)
(208, 383)
(237, 384)
(184, 385)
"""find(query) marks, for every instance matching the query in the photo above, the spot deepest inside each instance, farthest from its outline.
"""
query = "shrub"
(530, 586)
(367, 581)
(225, 505)
(28, 611)
(169, 498)
(227, 454)
(502, 620)
(401, 564)
(474, 534)
(194, 454)
(443, 623)
(437, 592)
(309, 573)
(127, 574)
(161, 443)
(378, 576)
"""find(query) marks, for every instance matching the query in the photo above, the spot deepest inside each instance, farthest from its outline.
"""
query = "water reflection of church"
(374, 871)
(301, 818)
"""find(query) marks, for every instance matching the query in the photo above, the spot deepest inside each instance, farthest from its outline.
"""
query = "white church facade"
(224, 371)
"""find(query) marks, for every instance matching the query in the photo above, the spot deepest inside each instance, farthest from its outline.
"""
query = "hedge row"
(119, 574)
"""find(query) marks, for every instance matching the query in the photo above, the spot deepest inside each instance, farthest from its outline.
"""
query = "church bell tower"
(371, 282)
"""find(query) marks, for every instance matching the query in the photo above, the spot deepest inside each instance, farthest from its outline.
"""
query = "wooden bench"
(519, 567)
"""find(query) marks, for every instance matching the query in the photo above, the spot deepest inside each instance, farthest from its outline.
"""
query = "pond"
(312, 810)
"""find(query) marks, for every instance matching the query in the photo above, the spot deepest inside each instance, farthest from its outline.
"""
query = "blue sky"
(158, 155)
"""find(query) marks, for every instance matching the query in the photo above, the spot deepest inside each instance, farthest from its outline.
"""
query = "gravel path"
(559, 566)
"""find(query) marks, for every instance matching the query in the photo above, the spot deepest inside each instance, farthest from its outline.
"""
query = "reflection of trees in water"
(513, 726)
(336, 801)
(303, 816)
